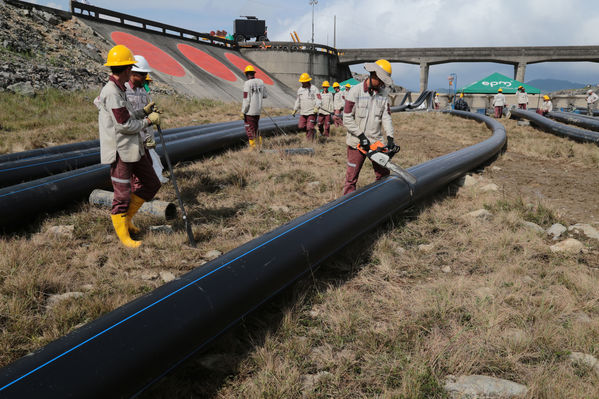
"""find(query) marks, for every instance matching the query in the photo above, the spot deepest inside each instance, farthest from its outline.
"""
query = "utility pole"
(334, 31)
(313, 3)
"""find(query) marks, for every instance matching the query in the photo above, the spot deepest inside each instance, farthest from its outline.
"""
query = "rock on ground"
(210, 255)
(167, 276)
(61, 231)
(587, 360)
(55, 299)
(163, 229)
(482, 386)
(533, 226)
(585, 229)
(556, 230)
(480, 214)
(569, 245)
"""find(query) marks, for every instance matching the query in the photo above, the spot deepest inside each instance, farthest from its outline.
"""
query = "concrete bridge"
(519, 57)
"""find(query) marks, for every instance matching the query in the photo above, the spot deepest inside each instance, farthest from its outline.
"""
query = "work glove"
(364, 142)
(154, 117)
(150, 143)
(316, 110)
(242, 115)
(391, 146)
(148, 109)
(294, 112)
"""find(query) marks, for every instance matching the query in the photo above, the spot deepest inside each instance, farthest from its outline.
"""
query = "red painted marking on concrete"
(241, 63)
(207, 62)
(158, 59)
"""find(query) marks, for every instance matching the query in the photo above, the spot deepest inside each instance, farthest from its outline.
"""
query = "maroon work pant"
(355, 160)
(521, 106)
(324, 124)
(122, 174)
(498, 112)
(307, 122)
(251, 125)
(338, 118)
(541, 112)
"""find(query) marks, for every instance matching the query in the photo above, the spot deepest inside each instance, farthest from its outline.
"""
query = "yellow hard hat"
(386, 65)
(249, 68)
(335, 84)
(382, 68)
(461, 95)
(120, 55)
(148, 78)
(348, 86)
(500, 90)
(546, 97)
(304, 77)
(326, 84)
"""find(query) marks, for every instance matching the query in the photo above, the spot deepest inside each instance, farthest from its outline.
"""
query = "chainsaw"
(380, 154)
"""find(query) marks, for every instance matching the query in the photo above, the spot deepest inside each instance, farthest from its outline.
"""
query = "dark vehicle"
(245, 29)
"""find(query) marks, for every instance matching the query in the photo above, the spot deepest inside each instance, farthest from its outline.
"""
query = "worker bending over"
(137, 92)
(546, 107)
(366, 111)
(461, 104)
(307, 103)
(499, 103)
(591, 100)
(325, 110)
(122, 146)
(338, 103)
(522, 98)
(251, 107)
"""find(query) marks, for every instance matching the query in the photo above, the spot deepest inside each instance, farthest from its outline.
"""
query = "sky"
(401, 23)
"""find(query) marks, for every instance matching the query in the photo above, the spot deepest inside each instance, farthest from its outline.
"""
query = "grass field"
(430, 293)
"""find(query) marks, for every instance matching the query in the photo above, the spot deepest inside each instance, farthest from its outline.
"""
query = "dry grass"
(382, 319)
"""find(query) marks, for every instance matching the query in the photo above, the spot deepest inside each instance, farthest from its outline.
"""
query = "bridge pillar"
(423, 76)
(519, 71)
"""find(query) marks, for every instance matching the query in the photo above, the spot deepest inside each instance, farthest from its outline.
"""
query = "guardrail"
(87, 11)
(292, 46)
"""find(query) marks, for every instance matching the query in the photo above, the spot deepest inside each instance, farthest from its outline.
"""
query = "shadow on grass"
(204, 374)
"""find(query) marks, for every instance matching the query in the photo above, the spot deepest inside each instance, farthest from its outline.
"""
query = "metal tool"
(380, 154)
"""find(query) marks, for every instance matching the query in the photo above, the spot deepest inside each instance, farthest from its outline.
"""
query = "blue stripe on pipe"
(47, 162)
(392, 178)
(50, 182)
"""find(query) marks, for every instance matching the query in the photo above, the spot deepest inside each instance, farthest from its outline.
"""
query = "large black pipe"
(586, 122)
(26, 200)
(558, 129)
(22, 170)
(421, 98)
(123, 352)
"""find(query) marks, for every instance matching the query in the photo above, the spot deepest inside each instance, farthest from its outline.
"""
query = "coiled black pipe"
(421, 98)
(123, 352)
(21, 170)
(558, 129)
(586, 122)
(26, 200)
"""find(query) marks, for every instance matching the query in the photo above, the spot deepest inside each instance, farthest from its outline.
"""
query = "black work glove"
(391, 146)
(364, 142)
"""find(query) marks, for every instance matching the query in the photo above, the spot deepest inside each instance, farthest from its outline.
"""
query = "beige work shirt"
(499, 100)
(326, 103)
(522, 97)
(339, 100)
(306, 100)
(253, 94)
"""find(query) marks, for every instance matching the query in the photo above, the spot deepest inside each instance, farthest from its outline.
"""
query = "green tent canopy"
(491, 83)
(351, 81)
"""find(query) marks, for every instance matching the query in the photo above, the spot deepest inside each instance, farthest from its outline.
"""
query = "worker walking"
(546, 107)
(325, 110)
(366, 111)
(122, 147)
(139, 97)
(522, 98)
(253, 94)
(461, 104)
(591, 100)
(307, 103)
(499, 103)
(437, 101)
(338, 103)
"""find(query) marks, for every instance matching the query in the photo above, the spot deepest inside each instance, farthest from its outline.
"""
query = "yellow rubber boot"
(119, 222)
(260, 141)
(252, 144)
(134, 204)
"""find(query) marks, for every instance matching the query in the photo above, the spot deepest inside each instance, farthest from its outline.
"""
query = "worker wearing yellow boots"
(325, 110)
(253, 94)
(122, 146)
(307, 103)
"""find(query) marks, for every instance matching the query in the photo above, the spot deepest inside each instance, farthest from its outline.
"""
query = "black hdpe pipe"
(18, 171)
(125, 351)
(558, 129)
(25, 200)
(586, 122)
(421, 98)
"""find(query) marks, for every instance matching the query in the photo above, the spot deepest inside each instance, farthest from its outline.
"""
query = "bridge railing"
(88, 11)
(292, 46)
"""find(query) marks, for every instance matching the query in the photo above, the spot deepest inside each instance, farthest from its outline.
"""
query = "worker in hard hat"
(251, 107)
(591, 100)
(366, 111)
(325, 110)
(307, 103)
(139, 96)
(546, 107)
(122, 146)
(338, 103)
(461, 104)
(437, 101)
(522, 98)
(499, 102)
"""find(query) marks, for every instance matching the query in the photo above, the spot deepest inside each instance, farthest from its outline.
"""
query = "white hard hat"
(141, 65)
(589, 92)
